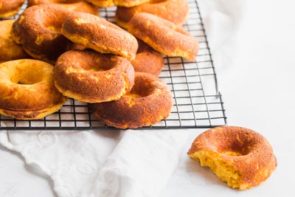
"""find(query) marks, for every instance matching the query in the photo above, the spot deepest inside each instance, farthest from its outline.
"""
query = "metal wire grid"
(196, 104)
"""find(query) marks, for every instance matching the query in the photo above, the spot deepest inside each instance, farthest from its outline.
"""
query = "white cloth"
(89, 164)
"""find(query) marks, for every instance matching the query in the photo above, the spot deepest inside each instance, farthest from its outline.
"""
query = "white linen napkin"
(70, 159)
(87, 163)
(141, 164)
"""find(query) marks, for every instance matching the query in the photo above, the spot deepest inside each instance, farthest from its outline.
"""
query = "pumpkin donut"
(100, 35)
(175, 11)
(91, 77)
(73, 5)
(149, 102)
(27, 90)
(38, 31)
(238, 156)
(148, 60)
(10, 8)
(124, 3)
(9, 50)
(164, 36)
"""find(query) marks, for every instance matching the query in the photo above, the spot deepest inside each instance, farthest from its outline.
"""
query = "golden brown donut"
(100, 35)
(163, 36)
(38, 31)
(27, 90)
(10, 8)
(149, 101)
(175, 11)
(92, 77)
(148, 60)
(9, 50)
(124, 3)
(238, 156)
(73, 5)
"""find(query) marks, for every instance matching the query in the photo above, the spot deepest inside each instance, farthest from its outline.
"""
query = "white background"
(253, 47)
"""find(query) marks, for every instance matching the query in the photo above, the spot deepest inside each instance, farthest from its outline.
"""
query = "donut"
(124, 3)
(100, 35)
(27, 90)
(238, 156)
(175, 11)
(10, 8)
(91, 77)
(163, 36)
(149, 101)
(147, 60)
(73, 5)
(38, 31)
(9, 50)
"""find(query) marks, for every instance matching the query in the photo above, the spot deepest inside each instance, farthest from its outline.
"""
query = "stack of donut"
(70, 52)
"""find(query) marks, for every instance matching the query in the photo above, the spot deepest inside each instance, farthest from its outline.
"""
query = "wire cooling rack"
(197, 101)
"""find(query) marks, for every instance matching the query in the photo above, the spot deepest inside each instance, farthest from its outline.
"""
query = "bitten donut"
(100, 35)
(10, 8)
(148, 60)
(9, 50)
(175, 11)
(124, 3)
(73, 5)
(238, 156)
(149, 101)
(163, 36)
(27, 90)
(38, 31)
(92, 77)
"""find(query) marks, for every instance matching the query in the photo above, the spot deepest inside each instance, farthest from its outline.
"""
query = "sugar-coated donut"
(124, 3)
(238, 156)
(27, 90)
(10, 8)
(38, 31)
(149, 101)
(9, 50)
(163, 36)
(100, 35)
(91, 77)
(148, 60)
(175, 11)
(73, 5)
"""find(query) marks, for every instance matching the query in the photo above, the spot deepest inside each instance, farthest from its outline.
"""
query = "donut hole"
(236, 150)
(52, 23)
(51, 20)
(27, 76)
(142, 88)
(235, 145)
(90, 63)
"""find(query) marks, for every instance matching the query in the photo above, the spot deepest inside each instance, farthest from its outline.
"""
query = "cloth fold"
(105, 164)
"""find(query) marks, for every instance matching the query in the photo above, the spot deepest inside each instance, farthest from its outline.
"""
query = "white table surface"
(256, 66)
